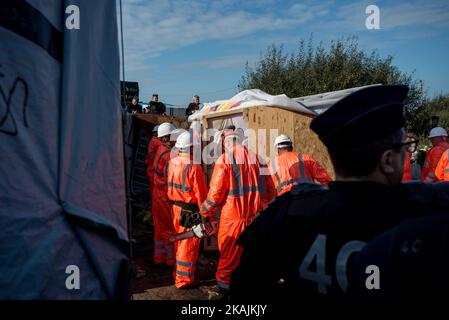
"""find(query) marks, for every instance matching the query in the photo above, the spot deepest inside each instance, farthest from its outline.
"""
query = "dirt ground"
(156, 282)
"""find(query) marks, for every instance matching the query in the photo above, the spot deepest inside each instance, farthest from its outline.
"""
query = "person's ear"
(386, 162)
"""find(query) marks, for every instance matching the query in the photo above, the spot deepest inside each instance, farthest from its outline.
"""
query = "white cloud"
(415, 14)
(223, 62)
(154, 27)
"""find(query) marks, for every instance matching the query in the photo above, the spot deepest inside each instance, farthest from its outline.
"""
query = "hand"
(198, 230)
(205, 229)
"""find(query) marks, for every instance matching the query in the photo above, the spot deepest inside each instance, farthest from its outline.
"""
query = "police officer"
(303, 246)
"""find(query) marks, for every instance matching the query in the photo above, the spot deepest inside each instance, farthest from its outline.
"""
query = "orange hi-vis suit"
(433, 156)
(407, 176)
(266, 187)
(442, 169)
(149, 160)
(233, 187)
(162, 212)
(185, 186)
(294, 168)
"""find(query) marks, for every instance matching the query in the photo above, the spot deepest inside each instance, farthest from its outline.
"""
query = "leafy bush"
(314, 69)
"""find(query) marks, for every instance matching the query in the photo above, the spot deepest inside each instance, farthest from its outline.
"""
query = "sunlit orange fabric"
(407, 176)
(149, 160)
(185, 183)
(233, 188)
(294, 168)
(162, 212)
(442, 169)
(432, 158)
(266, 187)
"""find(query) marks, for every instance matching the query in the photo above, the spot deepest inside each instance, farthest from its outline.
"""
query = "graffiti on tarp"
(8, 124)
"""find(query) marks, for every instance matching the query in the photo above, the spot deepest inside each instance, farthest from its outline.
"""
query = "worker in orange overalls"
(233, 188)
(151, 152)
(186, 188)
(438, 138)
(162, 215)
(407, 176)
(266, 185)
(442, 169)
(291, 168)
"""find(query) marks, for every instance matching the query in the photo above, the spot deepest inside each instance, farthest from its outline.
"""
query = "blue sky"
(180, 48)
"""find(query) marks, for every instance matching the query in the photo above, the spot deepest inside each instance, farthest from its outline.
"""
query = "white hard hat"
(165, 129)
(437, 132)
(184, 140)
(282, 140)
(176, 133)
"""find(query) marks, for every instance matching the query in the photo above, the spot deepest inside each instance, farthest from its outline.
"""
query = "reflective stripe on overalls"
(240, 190)
(301, 179)
(183, 185)
(160, 174)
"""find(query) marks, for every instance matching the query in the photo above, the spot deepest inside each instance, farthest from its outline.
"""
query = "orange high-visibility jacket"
(266, 187)
(162, 212)
(433, 156)
(149, 160)
(442, 169)
(185, 181)
(233, 188)
(407, 176)
(294, 168)
(186, 184)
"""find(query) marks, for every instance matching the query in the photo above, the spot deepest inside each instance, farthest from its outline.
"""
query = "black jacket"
(156, 107)
(191, 108)
(130, 108)
(302, 247)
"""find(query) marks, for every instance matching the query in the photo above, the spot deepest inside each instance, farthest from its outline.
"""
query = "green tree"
(432, 112)
(314, 69)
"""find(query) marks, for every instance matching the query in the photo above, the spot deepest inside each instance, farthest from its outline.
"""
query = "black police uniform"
(413, 258)
(303, 245)
(306, 245)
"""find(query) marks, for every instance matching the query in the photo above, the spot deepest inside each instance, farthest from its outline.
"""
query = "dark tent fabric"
(62, 179)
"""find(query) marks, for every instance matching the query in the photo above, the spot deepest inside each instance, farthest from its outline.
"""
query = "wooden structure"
(262, 119)
(148, 121)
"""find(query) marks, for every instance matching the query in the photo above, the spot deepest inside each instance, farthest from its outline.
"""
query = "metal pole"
(123, 55)
(124, 114)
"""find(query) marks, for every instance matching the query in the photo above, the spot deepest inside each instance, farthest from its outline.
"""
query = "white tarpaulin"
(251, 98)
(323, 101)
(62, 190)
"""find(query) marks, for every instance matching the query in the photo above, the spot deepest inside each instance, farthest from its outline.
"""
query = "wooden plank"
(222, 113)
(293, 124)
(148, 121)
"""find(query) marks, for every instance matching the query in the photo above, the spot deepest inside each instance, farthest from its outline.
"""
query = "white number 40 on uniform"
(318, 250)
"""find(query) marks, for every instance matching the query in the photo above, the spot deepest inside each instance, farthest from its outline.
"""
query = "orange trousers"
(163, 228)
(187, 251)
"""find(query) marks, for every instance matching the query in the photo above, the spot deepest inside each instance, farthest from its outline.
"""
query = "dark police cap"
(361, 117)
